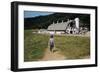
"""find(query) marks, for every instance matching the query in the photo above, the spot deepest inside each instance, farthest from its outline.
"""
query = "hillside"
(42, 22)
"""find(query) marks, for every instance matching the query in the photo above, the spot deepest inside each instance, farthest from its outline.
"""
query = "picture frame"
(21, 11)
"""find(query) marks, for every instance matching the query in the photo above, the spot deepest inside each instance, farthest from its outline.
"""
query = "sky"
(28, 14)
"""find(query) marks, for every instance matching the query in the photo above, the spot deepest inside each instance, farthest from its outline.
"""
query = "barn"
(68, 27)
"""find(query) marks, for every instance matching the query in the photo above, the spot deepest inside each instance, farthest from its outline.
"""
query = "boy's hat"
(51, 35)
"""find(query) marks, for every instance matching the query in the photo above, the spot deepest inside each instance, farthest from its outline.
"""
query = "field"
(72, 47)
(34, 45)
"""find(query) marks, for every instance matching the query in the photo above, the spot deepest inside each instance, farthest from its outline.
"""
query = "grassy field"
(35, 45)
(72, 47)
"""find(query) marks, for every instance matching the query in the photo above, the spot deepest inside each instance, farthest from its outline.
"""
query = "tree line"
(42, 22)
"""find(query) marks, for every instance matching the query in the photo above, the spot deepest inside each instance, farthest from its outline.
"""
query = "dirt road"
(55, 55)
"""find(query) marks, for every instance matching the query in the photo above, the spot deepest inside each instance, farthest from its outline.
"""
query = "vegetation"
(73, 47)
(34, 45)
(42, 22)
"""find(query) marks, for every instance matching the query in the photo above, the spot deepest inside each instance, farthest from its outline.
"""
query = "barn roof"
(59, 26)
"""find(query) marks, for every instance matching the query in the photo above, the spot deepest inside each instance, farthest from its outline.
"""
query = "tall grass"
(34, 45)
(73, 47)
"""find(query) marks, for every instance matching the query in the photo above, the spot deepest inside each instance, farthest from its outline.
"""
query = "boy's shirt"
(51, 41)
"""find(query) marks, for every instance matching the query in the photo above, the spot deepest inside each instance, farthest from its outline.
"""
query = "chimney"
(53, 22)
(57, 22)
(67, 19)
(62, 21)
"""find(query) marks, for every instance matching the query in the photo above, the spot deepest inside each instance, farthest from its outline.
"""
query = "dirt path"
(53, 55)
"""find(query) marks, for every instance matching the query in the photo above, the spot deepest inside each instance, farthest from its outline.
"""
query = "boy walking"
(51, 42)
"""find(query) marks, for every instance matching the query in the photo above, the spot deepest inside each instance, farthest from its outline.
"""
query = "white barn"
(69, 27)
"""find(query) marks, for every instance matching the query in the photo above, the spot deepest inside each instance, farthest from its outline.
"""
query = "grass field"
(72, 47)
(35, 45)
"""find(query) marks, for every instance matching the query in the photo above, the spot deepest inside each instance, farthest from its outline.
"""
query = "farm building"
(43, 31)
(69, 27)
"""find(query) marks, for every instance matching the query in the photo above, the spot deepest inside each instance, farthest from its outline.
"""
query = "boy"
(51, 42)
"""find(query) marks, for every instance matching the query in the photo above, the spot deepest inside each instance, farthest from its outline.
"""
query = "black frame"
(14, 35)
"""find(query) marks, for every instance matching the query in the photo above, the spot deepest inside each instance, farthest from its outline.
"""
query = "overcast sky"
(28, 14)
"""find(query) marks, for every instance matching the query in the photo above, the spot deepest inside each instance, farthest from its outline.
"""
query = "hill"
(42, 22)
